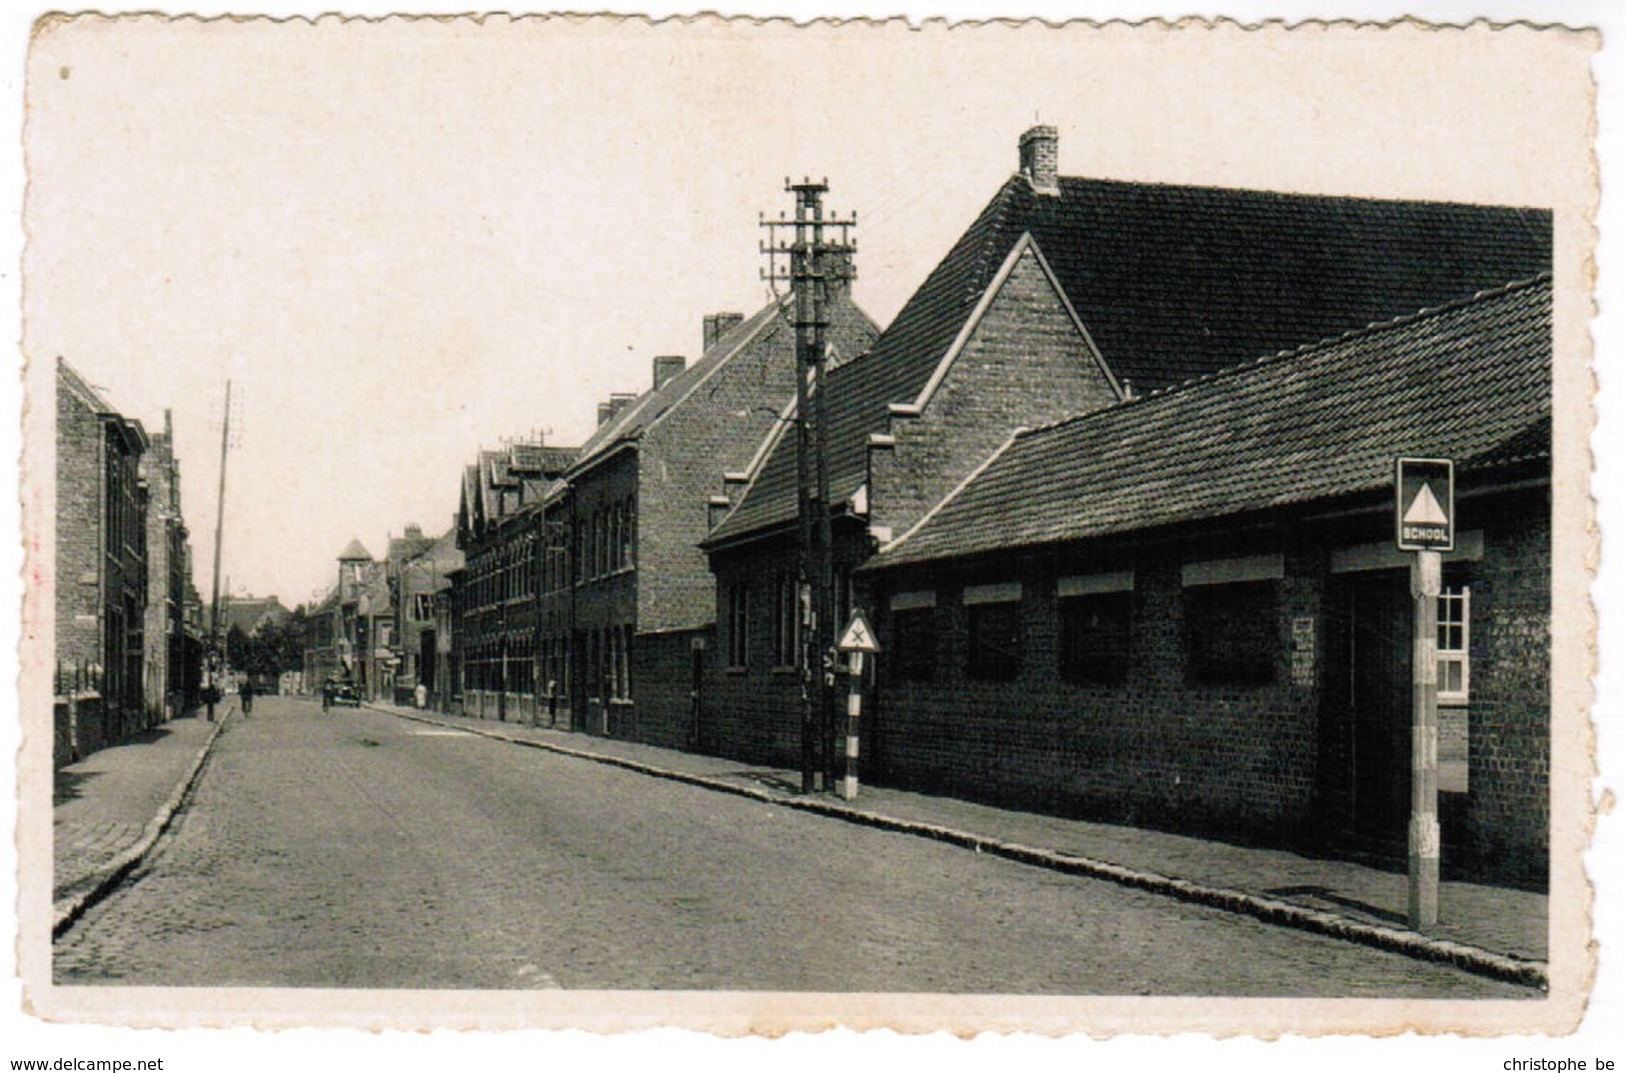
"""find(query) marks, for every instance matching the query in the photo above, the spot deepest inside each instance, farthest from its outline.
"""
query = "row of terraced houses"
(1114, 488)
(129, 625)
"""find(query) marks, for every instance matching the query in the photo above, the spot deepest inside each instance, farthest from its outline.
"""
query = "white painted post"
(854, 707)
(1423, 898)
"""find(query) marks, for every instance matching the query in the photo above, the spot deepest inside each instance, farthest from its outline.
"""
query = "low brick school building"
(1187, 610)
(1065, 296)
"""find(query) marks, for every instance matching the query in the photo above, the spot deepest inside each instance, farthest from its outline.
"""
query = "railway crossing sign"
(1425, 504)
(858, 636)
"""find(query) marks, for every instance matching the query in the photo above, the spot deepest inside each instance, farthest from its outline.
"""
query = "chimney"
(604, 412)
(617, 402)
(414, 532)
(666, 367)
(1040, 149)
(718, 325)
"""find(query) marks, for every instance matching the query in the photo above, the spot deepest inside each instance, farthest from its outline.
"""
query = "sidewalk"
(109, 808)
(1491, 930)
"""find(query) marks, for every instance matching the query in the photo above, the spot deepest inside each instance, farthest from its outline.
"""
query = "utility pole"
(814, 262)
(219, 526)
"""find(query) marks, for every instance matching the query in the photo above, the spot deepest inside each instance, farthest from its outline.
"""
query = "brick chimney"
(718, 325)
(1040, 159)
(667, 366)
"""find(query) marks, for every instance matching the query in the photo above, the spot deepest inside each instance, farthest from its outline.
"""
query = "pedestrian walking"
(245, 693)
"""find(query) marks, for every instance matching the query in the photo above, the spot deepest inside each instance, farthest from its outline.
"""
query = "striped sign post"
(857, 641)
(1425, 524)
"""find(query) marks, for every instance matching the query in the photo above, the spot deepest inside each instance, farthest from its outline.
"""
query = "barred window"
(994, 642)
(1232, 633)
(786, 615)
(1095, 638)
(738, 624)
(914, 644)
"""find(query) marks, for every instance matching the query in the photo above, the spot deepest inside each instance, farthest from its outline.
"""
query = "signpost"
(857, 641)
(1424, 524)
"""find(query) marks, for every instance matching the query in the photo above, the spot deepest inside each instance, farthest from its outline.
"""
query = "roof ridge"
(1303, 195)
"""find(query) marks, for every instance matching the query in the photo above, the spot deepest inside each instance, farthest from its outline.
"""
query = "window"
(1095, 638)
(994, 641)
(738, 625)
(786, 612)
(1453, 644)
(1231, 633)
(914, 644)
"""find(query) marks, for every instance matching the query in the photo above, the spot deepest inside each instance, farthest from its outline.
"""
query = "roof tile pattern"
(1172, 282)
(1470, 381)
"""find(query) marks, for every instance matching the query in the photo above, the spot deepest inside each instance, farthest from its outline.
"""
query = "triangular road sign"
(858, 636)
(1425, 509)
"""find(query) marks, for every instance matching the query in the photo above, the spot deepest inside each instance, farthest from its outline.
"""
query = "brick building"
(494, 596)
(1063, 297)
(628, 597)
(1187, 610)
(349, 631)
(101, 570)
(419, 568)
(169, 686)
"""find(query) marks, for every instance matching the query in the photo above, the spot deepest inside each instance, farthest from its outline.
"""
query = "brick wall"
(1025, 364)
(1265, 762)
(80, 465)
(1506, 809)
(662, 671)
(1157, 750)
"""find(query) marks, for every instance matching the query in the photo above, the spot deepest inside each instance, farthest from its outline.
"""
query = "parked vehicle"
(341, 694)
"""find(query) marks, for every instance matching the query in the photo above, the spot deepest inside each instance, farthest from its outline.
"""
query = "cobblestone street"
(354, 849)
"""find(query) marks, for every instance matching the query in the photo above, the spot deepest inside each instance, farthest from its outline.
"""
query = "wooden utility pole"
(814, 261)
(215, 654)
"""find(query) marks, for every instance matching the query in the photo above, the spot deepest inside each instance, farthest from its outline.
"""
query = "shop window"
(1095, 638)
(994, 641)
(1232, 633)
(914, 644)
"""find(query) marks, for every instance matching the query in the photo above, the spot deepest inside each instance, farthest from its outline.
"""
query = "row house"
(420, 570)
(172, 661)
(1187, 610)
(101, 571)
(1064, 297)
(628, 605)
(500, 531)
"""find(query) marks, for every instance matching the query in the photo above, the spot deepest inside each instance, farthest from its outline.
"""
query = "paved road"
(356, 849)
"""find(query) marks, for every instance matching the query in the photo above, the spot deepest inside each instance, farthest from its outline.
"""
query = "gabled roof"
(354, 550)
(1469, 381)
(646, 410)
(247, 613)
(1171, 282)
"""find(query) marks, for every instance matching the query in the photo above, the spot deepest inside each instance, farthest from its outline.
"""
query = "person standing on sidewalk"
(245, 693)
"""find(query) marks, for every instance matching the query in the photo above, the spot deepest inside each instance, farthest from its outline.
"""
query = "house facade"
(419, 570)
(494, 596)
(1188, 611)
(168, 687)
(629, 608)
(101, 571)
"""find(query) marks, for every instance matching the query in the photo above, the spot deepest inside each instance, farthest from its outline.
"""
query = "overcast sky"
(406, 241)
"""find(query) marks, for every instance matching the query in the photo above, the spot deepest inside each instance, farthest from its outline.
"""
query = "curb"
(1464, 956)
(65, 912)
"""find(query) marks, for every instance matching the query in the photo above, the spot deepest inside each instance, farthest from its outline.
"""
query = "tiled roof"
(1470, 381)
(354, 550)
(859, 390)
(645, 410)
(1173, 282)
